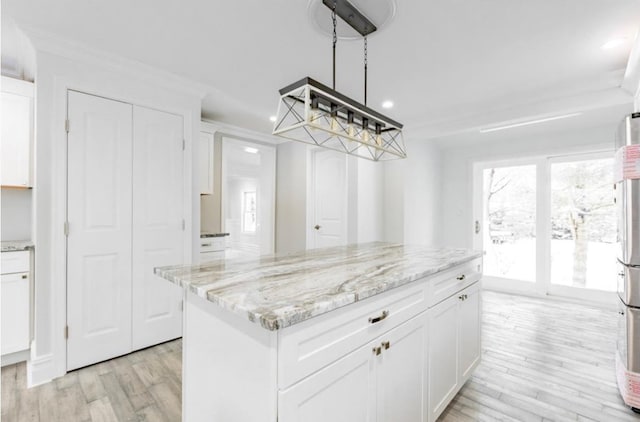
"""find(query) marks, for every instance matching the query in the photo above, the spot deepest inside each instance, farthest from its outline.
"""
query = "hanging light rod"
(352, 16)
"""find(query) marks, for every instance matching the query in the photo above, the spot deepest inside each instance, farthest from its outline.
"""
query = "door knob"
(317, 227)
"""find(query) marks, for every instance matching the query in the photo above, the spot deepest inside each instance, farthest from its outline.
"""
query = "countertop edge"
(275, 323)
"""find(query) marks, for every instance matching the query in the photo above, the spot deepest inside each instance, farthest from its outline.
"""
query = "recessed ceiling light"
(528, 122)
(387, 104)
(251, 150)
(272, 118)
(616, 42)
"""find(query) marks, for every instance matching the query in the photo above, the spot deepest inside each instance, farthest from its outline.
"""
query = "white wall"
(112, 78)
(457, 197)
(412, 190)
(370, 201)
(291, 197)
(16, 214)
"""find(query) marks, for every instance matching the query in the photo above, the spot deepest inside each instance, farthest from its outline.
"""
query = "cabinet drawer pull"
(463, 297)
(377, 351)
(386, 345)
(206, 244)
(461, 277)
(379, 318)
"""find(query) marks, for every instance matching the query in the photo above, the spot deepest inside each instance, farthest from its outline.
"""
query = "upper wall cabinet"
(206, 163)
(16, 138)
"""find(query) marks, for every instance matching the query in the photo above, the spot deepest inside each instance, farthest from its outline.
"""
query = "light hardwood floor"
(542, 361)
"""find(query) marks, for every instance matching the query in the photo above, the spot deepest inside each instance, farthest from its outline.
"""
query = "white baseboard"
(41, 370)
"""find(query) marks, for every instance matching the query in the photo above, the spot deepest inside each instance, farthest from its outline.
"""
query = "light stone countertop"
(279, 291)
(16, 245)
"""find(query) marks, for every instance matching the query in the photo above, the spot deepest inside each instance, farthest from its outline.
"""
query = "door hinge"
(66, 228)
(184, 144)
(182, 305)
(183, 224)
(66, 332)
(66, 125)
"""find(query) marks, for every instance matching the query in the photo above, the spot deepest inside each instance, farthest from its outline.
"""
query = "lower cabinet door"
(342, 392)
(469, 320)
(402, 372)
(15, 312)
(443, 355)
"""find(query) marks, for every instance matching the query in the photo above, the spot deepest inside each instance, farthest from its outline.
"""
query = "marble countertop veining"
(16, 245)
(279, 291)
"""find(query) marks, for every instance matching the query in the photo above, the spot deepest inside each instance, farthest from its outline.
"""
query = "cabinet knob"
(386, 345)
(24, 276)
(379, 318)
(377, 351)
(317, 226)
(461, 277)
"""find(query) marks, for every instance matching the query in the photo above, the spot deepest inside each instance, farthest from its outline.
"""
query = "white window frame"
(542, 285)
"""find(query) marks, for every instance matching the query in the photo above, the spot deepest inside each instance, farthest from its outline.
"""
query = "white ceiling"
(447, 64)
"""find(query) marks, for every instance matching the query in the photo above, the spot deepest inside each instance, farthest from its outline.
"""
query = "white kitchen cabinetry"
(401, 355)
(206, 163)
(383, 381)
(454, 349)
(15, 302)
(212, 249)
(16, 137)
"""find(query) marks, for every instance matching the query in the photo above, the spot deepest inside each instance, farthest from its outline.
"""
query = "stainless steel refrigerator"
(627, 188)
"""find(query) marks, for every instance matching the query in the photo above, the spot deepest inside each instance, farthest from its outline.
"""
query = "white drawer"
(15, 262)
(212, 244)
(452, 281)
(313, 344)
(211, 256)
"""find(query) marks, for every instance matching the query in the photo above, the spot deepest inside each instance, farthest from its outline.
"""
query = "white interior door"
(158, 231)
(99, 242)
(329, 187)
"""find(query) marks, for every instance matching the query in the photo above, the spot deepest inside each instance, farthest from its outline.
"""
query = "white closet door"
(99, 242)
(158, 233)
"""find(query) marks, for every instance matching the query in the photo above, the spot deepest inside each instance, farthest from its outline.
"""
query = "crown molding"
(47, 42)
(581, 103)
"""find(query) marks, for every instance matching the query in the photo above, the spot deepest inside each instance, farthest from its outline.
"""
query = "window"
(548, 225)
(249, 212)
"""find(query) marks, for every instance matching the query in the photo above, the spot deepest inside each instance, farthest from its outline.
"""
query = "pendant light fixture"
(315, 114)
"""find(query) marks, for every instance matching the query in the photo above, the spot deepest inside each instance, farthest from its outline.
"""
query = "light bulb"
(365, 136)
(351, 130)
(334, 124)
(379, 140)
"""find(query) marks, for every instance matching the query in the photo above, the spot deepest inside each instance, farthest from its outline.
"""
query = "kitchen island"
(377, 331)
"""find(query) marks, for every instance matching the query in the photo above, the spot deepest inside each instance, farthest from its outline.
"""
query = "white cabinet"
(16, 135)
(454, 349)
(383, 381)
(212, 249)
(14, 309)
(398, 356)
(206, 163)
(343, 392)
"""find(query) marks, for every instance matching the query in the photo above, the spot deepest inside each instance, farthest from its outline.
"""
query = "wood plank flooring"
(143, 386)
(542, 361)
